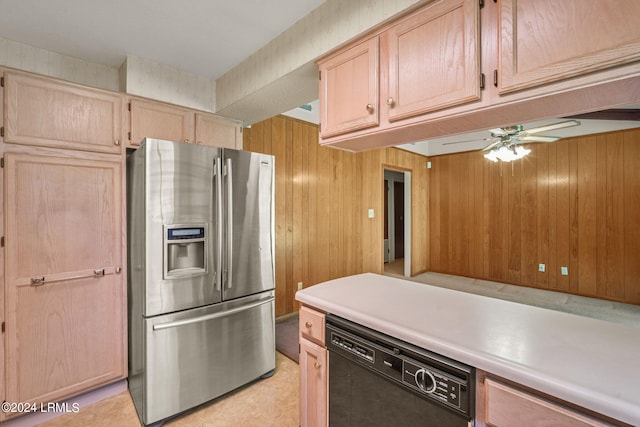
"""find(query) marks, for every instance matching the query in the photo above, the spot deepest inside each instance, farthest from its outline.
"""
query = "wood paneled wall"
(574, 203)
(322, 198)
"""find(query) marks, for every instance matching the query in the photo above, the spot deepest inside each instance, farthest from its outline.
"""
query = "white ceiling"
(205, 37)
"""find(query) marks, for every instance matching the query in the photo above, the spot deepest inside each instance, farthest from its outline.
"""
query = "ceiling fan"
(504, 143)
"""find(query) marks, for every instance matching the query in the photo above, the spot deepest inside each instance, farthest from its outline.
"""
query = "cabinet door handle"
(370, 108)
(37, 281)
(317, 365)
(308, 324)
(390, 102)
(116, 142)
(75, 275)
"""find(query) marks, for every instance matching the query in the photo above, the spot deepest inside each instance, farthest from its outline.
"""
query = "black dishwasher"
(377, 380)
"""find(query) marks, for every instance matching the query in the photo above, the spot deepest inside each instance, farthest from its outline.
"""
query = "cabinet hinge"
(2, 241)
(481, 4)
(319, 75)
(129, 135)
(2, 81)
(481, 81)
(1, 162)
(3, 327)
(2, 131)
(319, 127)
(129, 106)
(495, 78)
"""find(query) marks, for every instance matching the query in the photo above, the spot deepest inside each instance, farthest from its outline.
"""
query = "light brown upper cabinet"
(426, 61)
(432, 59)
(218, 131)
(152, 119)
(349, 89)
(50, 113)
(546, 41)
(450, 67)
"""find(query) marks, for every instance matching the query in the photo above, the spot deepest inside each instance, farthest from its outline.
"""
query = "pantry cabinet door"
(433, 59)
(217, 131)
(45, 112)
(158, 120)
(349, 87)
(65, 293)
(546, 41)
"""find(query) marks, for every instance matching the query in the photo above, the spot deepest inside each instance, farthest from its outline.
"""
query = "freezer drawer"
(200, 354)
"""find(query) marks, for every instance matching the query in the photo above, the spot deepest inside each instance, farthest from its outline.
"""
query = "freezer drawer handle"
(211, 316)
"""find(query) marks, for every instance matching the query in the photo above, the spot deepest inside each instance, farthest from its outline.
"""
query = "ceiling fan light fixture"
(507, 153)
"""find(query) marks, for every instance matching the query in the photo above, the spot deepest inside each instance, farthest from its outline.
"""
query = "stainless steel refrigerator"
(200, 274)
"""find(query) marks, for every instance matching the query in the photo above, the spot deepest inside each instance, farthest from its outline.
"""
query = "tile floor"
(265, 403)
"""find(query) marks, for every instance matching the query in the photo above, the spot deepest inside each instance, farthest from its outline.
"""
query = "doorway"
(397, 222)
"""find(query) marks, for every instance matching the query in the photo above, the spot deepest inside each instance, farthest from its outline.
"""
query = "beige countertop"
(589, 362)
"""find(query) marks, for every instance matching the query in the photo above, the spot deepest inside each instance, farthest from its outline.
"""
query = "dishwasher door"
(361, 397)
(197, 355)
(378, 380)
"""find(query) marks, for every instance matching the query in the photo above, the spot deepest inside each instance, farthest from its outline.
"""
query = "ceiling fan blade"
(552, 126)
(493, 144)
(497, 132)
(534, 138)
(469, 140)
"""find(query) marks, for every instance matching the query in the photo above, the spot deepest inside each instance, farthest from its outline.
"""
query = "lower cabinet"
(65, 295)
(507, 406)
(314, 371)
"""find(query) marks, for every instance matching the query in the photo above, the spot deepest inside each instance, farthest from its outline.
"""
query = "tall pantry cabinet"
(64, 319)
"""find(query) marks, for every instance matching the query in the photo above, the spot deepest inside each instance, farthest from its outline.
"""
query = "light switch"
(541, 268)
(564, 271)
(371, 215)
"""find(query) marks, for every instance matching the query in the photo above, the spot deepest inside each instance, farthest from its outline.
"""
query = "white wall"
(150, 79)
(28, 58)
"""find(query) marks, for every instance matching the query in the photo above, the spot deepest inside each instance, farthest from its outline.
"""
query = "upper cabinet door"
(434, 59)
(49, 113)
(217, 131)
(349, 86)
(158, 120)
(546, 41)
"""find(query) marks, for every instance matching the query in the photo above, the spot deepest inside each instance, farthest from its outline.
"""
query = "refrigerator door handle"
(218, 206)
(229, 249)
(211, 316)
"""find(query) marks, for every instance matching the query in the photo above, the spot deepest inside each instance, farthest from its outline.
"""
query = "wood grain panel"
(322, 198)
(614, 221)
(573, 203)
(631, 165)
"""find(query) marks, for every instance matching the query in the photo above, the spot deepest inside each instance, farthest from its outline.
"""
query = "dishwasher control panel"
(439, 385)
(353, 346)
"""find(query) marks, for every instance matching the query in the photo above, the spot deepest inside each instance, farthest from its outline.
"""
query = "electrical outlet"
(541, 268)
(564, 271)
(299, 286)
(371, 213)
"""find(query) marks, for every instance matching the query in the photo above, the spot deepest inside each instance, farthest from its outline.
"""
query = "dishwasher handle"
(211, 316)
